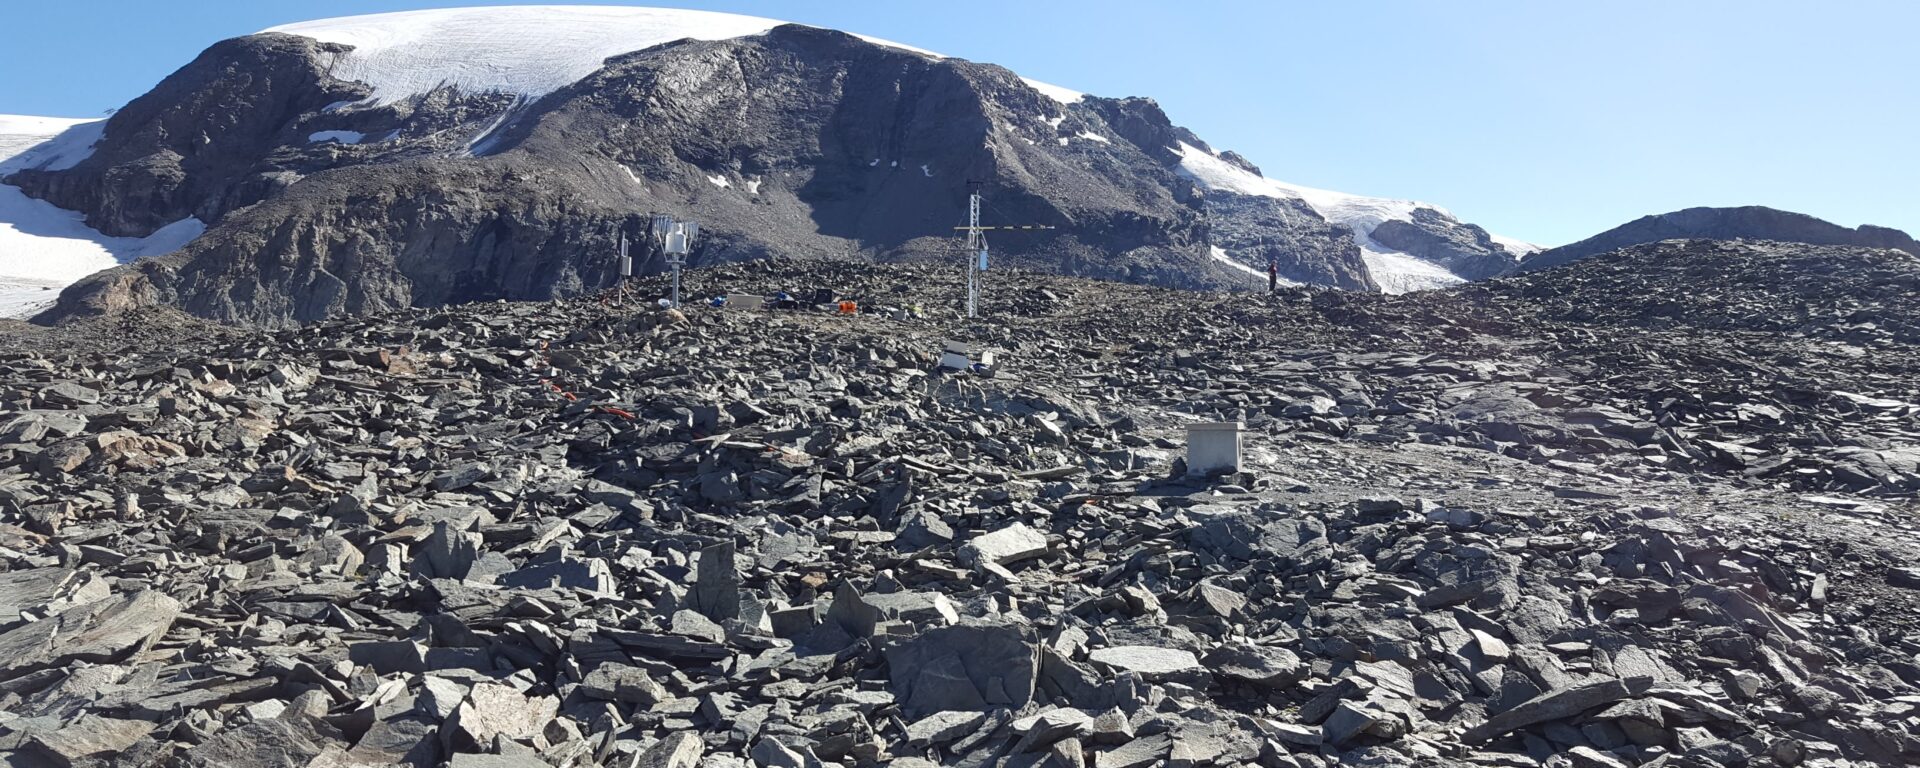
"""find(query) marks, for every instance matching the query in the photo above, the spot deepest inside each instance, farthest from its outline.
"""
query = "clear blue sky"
(1543, 120)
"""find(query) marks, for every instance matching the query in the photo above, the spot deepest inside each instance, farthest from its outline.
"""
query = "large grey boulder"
(968, 668)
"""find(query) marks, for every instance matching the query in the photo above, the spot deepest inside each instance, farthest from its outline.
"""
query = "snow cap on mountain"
(527, 50)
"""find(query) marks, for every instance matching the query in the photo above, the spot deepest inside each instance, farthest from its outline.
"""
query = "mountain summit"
(431, 157)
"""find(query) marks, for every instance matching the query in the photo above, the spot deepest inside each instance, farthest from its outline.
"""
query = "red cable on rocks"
(573, 398)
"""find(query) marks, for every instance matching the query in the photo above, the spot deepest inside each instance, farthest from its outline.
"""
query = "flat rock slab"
(942, 727)
(46, 589)
(90, 736)
(99, 631)
(1011, 544)
(1147, 660)
(496, 761)
(1555, 705)
(261, 744)
(1270, 667)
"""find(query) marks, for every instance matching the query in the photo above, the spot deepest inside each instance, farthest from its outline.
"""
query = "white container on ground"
(1213, 447)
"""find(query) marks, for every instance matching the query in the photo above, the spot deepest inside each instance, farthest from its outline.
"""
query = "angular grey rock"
(679, 750)
(89, 737)
(1270, 667)
(265, 743)
(1006, 546)
(967, 668)
(1555, 705)
(493, 710)
(716, 592)
(1139, 753)
(623, 683)
(447, 553)
(1148, 661)
(941, 727)
(1050, 727)
(100, 631)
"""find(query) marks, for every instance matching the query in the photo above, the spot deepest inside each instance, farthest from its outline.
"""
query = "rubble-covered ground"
(1655, 508)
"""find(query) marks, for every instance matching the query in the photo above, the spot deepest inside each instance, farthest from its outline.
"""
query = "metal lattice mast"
(977, 250)
(976, 245)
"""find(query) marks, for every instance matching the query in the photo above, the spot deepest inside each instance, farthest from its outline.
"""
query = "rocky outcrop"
(1749, 222)
(1305, 247)
(195, 144)
(1433, 236)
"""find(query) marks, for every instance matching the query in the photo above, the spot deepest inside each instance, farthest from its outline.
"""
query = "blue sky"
(1547, 121)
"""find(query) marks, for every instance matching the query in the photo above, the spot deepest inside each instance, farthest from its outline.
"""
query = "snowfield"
(44, 248)
(1398, 272)
(1395, 271)
(527, 51)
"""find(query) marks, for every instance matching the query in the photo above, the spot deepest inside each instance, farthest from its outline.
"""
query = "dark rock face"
(1307, 247)
(1750, 222)
(190, 147)
(800, 142)
(1463, 249)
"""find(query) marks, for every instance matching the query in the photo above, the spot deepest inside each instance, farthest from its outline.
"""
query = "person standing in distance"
(1273, 274)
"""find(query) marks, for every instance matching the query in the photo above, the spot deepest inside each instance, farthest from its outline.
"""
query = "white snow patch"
(26, 298)
(525, 50)
(46, 143)
(342, 137)
(719, 181)
(928, 172)
(753, 187)
(1054, 122)
(1517, 247)
(1063, 140)
(875, 163)
(1357, 211)
(1091, 136)
(631, 175)
(1398, 272)
(44, 248)
(1057, 93)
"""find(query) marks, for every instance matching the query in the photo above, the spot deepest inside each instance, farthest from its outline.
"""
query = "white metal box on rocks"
(745, 301)
(959, 356)
(1213, 447)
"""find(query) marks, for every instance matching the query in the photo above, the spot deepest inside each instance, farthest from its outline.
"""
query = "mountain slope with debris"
(415, 159)
(1474, 527)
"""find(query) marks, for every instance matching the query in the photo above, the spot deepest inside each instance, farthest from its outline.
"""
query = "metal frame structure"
(976, 248)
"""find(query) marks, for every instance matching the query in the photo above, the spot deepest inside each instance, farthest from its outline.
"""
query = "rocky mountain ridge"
(1751, 222)
(325, 196)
